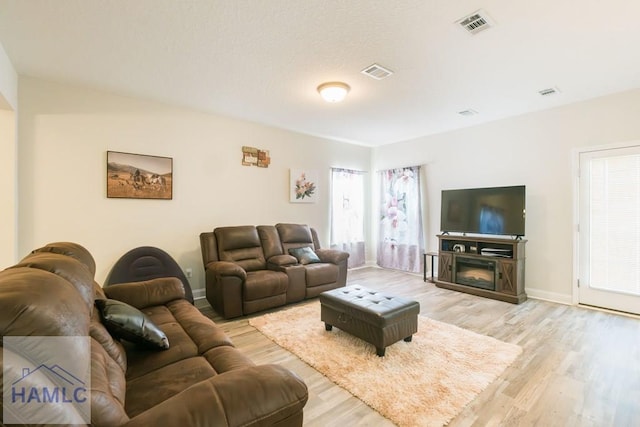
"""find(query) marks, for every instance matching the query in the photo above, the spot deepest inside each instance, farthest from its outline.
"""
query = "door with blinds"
(609, 228)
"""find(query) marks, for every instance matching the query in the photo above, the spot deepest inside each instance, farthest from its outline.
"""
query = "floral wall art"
(303, 186)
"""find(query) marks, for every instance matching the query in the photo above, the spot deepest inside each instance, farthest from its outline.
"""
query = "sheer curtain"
(347, 214)
(400, 237)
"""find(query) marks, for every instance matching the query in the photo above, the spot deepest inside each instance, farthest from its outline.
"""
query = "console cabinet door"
(445, 262)
(506, 282)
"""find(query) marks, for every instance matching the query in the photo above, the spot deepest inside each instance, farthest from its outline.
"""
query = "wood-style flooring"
(579, 367)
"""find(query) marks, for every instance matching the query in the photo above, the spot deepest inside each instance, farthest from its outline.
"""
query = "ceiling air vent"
(476, 22)
(377, 72)
(549, 91)
(468, 112)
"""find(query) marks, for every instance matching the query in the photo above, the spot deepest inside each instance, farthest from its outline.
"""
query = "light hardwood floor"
(579, 367)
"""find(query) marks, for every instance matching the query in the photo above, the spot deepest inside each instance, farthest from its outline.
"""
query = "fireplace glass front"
(475, 272)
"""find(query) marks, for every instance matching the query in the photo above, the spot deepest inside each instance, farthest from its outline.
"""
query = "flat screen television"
(495, 210)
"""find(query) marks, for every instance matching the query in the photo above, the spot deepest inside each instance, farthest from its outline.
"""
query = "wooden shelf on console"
(490, 267)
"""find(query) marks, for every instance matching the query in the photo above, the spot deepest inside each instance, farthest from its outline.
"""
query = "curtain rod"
(350, 170)
(401, 167)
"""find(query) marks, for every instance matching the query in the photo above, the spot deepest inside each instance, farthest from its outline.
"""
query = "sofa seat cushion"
(263, 284)
(190, 333)
(148, 390)
(202, 330)
(142, 361)
(224, 359)
(321, 274)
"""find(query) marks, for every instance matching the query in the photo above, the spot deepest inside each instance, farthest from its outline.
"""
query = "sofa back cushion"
(271, 245)
(72, 250)
(295, 236)
(40, 303)
(66, 267)
(208, 247)
(147, 263)
(241, 245)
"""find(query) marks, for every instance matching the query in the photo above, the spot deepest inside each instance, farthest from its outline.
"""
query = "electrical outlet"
(189, 273)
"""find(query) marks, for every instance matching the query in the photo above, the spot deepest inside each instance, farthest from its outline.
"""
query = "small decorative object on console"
(458, 248)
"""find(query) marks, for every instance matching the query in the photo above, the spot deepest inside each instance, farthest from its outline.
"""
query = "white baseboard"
(549, 296)
(199, 298)
(366, 265)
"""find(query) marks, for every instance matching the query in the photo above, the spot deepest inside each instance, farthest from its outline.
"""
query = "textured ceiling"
(262, 60)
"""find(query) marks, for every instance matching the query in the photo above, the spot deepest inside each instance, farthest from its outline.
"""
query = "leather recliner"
(250, 269)
(329, 273)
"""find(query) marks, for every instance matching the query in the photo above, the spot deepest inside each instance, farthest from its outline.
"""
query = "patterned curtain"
(400, 239)
(347, 214)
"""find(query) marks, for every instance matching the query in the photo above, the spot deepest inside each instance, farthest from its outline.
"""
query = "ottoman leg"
(409, 338)
(327, 327)
(380, 351)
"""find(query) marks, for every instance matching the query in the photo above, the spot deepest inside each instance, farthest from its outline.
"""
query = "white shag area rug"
(425, 382)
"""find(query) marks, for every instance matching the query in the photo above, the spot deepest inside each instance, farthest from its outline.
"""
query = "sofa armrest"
(332, 256)
(254, 396)
(226, 268)
(278, 261)
(148, 292)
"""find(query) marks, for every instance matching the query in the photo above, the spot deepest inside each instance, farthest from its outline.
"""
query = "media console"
(491, 267)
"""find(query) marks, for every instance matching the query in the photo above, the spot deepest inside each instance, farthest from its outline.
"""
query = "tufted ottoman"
(372, 316)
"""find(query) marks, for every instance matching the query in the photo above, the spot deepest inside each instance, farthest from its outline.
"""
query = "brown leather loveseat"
(253, 268)
(201, 379)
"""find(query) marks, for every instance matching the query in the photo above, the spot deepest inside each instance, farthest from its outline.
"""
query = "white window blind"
(614, 223)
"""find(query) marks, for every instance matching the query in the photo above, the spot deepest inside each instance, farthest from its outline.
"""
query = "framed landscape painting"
(139, 176)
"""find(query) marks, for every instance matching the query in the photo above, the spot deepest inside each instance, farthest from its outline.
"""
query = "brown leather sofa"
(250, 268)
(200, 380)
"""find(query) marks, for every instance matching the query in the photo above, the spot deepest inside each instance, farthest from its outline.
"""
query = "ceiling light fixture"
(333, 91)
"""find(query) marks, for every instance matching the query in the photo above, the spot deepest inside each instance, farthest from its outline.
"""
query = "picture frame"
(139, 176)
(303, 186)
(252, 156)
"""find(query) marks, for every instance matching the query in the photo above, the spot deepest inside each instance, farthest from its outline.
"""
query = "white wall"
(534, 150)
(65, 132)
(8, 82)
(8, 161)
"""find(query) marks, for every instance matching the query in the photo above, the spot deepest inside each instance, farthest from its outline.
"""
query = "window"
(347, 214)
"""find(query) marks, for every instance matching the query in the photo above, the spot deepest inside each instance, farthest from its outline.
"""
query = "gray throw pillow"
(126, 322)
(304, 255)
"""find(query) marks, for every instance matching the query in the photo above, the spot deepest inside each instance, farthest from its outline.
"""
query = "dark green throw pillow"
(128, 323)
(304, 255)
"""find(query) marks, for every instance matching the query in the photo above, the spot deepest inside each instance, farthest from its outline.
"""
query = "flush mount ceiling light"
(333, 91)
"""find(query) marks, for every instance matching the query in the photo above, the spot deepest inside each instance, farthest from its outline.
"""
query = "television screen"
(495, 210)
